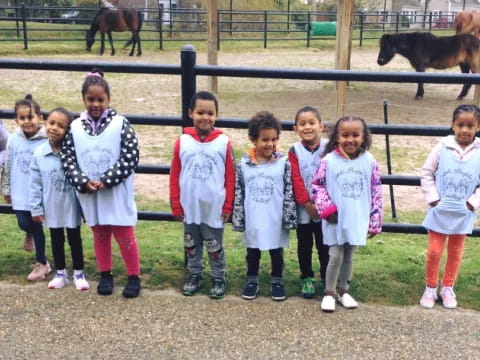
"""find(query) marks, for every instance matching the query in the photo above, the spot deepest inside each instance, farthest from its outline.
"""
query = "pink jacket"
(430, 166)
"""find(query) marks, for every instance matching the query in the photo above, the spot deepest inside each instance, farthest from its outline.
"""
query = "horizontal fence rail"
(188, 70)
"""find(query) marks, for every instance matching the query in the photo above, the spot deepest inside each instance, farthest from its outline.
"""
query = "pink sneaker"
(449, 299)
(39, 272)
(429, 297)
(28, 243)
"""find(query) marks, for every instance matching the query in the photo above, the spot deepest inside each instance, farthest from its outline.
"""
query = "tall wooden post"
(212, 56)
(345, 16)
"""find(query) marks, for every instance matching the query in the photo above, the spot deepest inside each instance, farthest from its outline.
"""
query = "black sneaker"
(192, 284)
(217, 291)
(278, 292)
(105, 285)
(132, 289)
(250, 290)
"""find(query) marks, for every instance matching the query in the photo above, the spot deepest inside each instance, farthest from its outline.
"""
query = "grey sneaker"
(192, 284)
(217, 291)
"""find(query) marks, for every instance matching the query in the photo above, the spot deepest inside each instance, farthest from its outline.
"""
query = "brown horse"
(468, 22)
(108, 20)
(424, 50)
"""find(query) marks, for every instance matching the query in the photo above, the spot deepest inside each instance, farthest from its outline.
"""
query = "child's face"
(96, 101)
(56, 127)
(204, 115)
(465, 126)
(350, 137)
(28, 120)
(308, 127)
(266, 143)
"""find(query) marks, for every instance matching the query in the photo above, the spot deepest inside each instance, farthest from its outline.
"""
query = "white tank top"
(95, 154)
(202, 180)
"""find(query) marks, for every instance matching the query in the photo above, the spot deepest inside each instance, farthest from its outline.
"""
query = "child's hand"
(178, 218)
(311, 210)
(8, 199)
(90, 187)
(469, 206)
(435, 203)
(38, 219)
(226, 217)
(100, 185)
(333, 218)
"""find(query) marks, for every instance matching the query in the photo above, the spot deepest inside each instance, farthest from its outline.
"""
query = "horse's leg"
(465, 69)
(102, 43)
(139, 50)
(420, 91)
(134, 43)
(111, 42)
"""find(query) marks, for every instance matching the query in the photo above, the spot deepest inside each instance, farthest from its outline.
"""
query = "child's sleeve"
(75, 176)
(5, 180)
(229, 181)
(3, 144)
(289, 206)
(36, 189)
(175, 169)
(128, 160)
(299, 190)
(322, 201)
(427, 175)
(238, 218)
(376, 211)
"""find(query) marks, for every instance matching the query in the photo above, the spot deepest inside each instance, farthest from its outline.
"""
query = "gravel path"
(66, 324)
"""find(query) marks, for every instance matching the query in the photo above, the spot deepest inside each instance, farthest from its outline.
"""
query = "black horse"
(108, 20)
(425, 50)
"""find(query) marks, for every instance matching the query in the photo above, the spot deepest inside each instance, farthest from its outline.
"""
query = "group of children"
(328, 190)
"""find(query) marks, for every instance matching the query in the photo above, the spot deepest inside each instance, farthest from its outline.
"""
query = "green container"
(319, 28)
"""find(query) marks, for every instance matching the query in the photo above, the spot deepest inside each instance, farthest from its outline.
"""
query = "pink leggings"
(436, 244)
(125, 237)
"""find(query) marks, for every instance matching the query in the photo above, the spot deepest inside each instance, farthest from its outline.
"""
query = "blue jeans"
(26, 224)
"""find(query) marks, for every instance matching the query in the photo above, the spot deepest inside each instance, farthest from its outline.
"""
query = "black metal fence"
(187, 25)
(188, 70)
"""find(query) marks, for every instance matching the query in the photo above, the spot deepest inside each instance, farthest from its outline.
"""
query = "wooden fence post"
(212, 57)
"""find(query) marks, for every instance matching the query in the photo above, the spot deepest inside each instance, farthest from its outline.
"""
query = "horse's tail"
(139, 27)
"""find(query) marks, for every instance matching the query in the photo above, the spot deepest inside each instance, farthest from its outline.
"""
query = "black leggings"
(305, 235)
(57, 236)
(253, 261)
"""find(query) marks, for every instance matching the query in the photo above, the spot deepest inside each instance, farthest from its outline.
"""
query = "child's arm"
(5, 179)
(289, 206)
(128, 160)
(73, 173)
(175, 168)
(3, 144)
(238, 218)
(35, 192)
(376, 211)
(321, 199)
(427, 176)
(302, 196)
(229, 184)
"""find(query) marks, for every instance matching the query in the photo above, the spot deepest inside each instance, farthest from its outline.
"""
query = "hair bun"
(97, 71)
(28, 97)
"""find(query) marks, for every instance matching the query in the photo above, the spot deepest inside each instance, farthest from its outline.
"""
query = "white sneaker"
(80, 282)
(448, 297)
(59, 280)
(328, 303)
(428, 298)
(347, 301)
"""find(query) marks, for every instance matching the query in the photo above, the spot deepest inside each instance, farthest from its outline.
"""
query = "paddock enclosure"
(153, 94)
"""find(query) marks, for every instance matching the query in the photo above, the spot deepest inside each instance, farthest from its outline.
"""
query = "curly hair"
(28, 102)
(95, 78)
(262, 120)
(333, 138)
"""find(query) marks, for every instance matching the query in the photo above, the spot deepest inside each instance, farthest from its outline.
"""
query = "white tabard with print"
(95, 154)
(263, 203)
(349, 187)
(202, 180)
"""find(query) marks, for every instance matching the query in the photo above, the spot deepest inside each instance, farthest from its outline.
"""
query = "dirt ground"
(241, 98)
